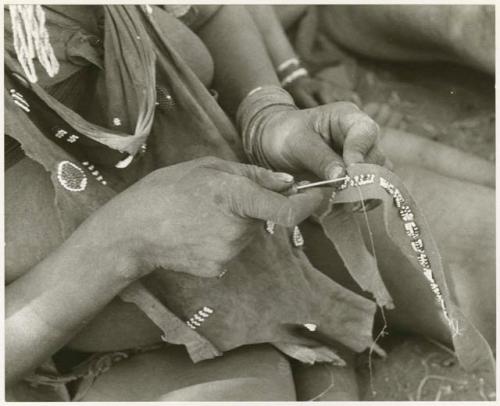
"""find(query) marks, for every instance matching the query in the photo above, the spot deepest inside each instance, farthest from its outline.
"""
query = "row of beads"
(73, 178)
(62, 133)
(297, 238)
(94, 172)
(199, 317)
(417, 244)
(19, 100)
(357, 180)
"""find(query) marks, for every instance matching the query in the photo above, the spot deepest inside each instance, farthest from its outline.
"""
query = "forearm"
(240, 57)
(52, 302)
(277, 44)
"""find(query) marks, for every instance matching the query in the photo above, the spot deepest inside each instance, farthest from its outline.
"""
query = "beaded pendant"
(270, 227)
(199, 317)
(71, 177)
(297, 238)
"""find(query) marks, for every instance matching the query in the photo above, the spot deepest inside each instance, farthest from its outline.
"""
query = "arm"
(240, 57)
(306, 90)
(49, 304)
(273, 35)
(191, 217)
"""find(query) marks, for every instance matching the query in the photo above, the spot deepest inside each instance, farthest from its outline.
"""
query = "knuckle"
(347, 106)
(212, 162)
(209, 159)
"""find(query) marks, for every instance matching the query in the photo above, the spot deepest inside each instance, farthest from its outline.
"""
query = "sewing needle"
(321, 183)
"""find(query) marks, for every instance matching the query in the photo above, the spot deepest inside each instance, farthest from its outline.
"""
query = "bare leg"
(403, 148)
(462, 217)
(253, 373)
(325, 382)
(457, 33)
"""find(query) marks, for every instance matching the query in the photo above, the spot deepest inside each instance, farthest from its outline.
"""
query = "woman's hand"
(195, 216)
(322, 140)
(310, 92)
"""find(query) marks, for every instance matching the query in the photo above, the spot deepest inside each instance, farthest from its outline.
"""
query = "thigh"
(462, 219)
(252, 373)
(461, 216)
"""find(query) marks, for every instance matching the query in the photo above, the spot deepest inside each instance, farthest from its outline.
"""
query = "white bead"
(270, 227)
(428, 274)
(23, 106)
(298, 240)
(311, 326)
(208, 309)
(60, 134)
(418, 246)
(124, 162)
(72, 138)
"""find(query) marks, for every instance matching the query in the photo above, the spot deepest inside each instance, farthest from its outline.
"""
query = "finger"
(389, 164)
(317, 156)
(383, 115)
(362, 134)
(395, 120)
(371, 109)
(253, 201)
(305, 100)
(356, 99)
(327, 95)
(375, 156)
(276, 181)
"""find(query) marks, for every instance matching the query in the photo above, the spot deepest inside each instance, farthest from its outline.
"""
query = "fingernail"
(303, 183)
(285, 177)
(336, 172)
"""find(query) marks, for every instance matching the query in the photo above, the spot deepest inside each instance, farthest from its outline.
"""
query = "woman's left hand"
(322, 140)
(310, 92)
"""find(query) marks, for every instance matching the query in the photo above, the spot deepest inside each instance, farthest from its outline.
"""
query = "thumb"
(360, 136)
(316, 155)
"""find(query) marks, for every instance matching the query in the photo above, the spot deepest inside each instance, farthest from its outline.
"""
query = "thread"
(382, 332)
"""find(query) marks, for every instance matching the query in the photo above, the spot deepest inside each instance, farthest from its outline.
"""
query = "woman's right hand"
(195, 216)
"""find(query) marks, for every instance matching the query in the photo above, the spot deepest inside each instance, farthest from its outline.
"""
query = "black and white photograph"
(249, 202)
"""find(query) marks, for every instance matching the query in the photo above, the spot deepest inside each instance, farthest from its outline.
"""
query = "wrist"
(253, 114)
(114, 252)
